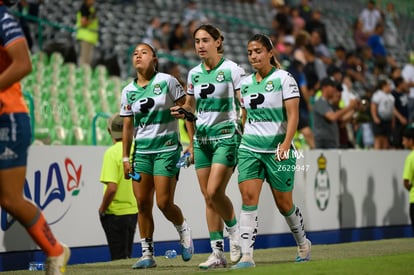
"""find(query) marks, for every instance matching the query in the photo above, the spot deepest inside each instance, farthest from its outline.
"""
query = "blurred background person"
(118, 211)
(15, 64)
(87, 26)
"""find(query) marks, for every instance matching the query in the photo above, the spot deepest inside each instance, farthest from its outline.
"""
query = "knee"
(144, 207)
(163, 205)
(214, 194)
(7, 203)
(284, 206)
(248, 199)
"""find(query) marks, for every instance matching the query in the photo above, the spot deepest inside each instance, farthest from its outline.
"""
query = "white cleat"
(215, 260)
(57, 265)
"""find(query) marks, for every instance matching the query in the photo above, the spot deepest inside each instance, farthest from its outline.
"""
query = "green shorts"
(222, 151)
(157, 164)
(279, 174)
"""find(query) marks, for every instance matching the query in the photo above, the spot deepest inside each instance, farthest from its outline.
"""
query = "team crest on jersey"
(269, 86)
(220, 77)
(157, 89)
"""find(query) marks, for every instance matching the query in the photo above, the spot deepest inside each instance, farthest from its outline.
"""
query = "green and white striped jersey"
(156, 130)
(217, 106)
(266, 120)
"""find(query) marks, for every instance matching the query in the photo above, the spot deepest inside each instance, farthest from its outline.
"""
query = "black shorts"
(382, 129)
(303, 119)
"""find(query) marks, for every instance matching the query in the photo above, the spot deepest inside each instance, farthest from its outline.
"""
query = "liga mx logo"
(322, 187)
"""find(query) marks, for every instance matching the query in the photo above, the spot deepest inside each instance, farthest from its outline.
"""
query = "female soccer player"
(145, 106)
(15, 140)
(270, 98)
(213, 87)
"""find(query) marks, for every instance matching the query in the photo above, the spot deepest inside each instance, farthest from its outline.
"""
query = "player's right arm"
(127, 135)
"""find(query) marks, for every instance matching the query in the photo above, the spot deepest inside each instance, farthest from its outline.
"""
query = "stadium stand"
(67, 98)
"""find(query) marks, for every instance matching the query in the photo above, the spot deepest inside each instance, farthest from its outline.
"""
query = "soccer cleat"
(187, 245)
(304, 252)
(57, 265)
(245, 262)
(214, 260)
(145, 262)
(235, 248)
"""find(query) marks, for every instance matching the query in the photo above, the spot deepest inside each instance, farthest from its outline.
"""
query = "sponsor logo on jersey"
(8, 154)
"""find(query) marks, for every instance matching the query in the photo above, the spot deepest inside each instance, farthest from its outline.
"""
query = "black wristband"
(188, 115)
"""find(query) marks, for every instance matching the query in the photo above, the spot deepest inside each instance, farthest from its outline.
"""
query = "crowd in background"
(383, 89)
(368, 74)
(365, 71)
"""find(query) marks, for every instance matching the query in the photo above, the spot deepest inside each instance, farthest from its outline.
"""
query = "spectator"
(316, 24)
(164, 36)
(87, 25)
(359, 36)
(401, 105)
(363, 120)
(391, 22)
(281, 24)
(285, 57)
(189, 30)
(370, 17)
(178, 39)
(408, 75)
(321, 50)
(296, 69)
(383, 112)
(353, 67)
(326, 117)
(346, 135)
(301, 40)
(376, 42)
(192, 12)
(29, 8)
(314, 69)
(118, 211)
(297, 21)
(340, 55)
(305, 10)
(153, 32)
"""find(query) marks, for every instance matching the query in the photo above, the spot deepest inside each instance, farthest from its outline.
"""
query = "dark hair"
(381, 83)
(268, 44)
(310, 49)
(214, 32)
(408, 132)
(398, 81)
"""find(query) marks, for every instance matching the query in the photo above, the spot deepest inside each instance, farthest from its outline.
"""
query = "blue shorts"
(15, 138)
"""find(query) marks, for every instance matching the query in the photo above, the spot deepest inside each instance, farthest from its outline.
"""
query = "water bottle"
(135, 176)
(184, 161)
(34, 266)
(170, 254)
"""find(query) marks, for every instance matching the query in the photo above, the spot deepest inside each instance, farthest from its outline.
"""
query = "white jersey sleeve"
(126, 109)
(289, 86)
(175, 89)
(238, 74)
